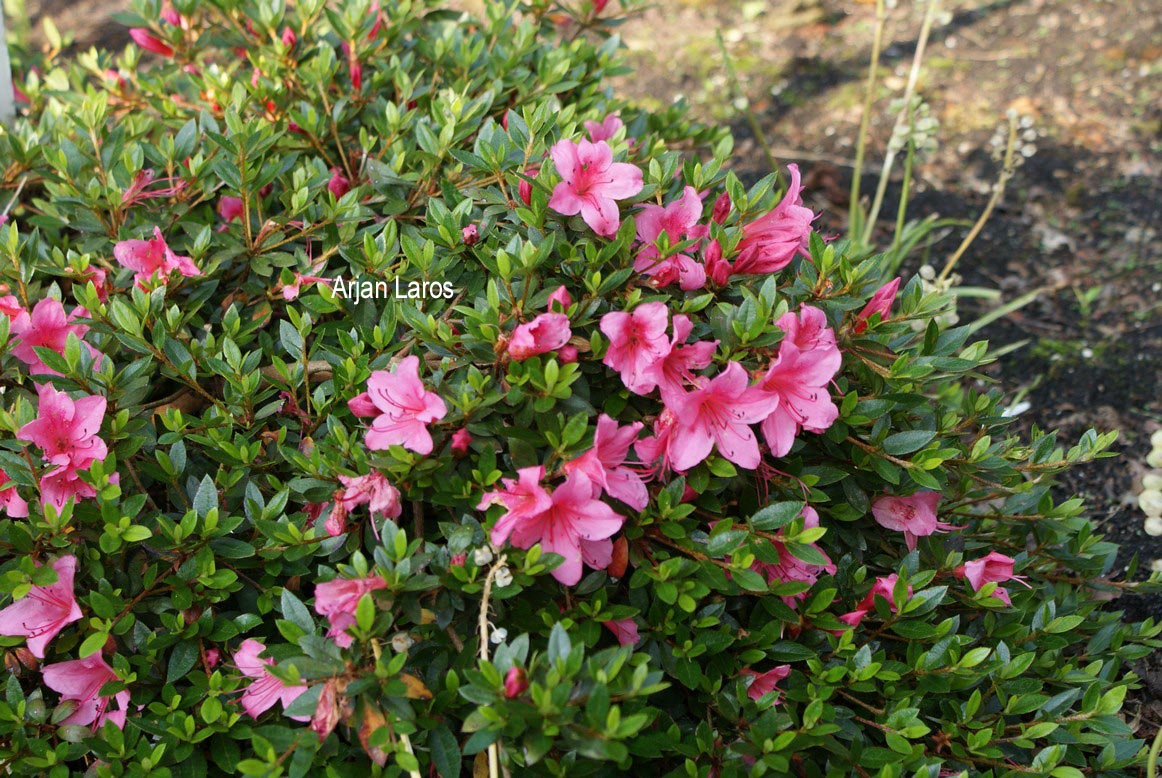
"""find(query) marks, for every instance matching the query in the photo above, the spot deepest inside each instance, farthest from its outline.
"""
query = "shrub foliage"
(612, 479)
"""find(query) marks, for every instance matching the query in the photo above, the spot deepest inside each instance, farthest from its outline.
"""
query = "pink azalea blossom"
(881, 588)
(636, 341)
(150, 42)
(56, 489)
(604, 464)
(717, 268)
(560, 299)
(881, 303)
(66, 429)
(402, 408)
(372, 490)
(679, 221)
(808, 359)
(770, 242)
(10, 306)
(655, 449)
(914, 515)
(81, 680)
(547, 332)
(625, 630)
(765, 683)
(718, 412)
(229, 208)
(264, 690)
(10, 500)
(592, 183)
(791, 568)
(605, 129)
(326, 710)
(994, 567)
(675, 371)
(153, 258)
(576, 526)
(47, 327)
(45, 610)
(136, 191)
(525, 499)
(337, 601)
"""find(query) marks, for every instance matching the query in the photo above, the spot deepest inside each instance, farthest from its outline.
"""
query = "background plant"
(273, 146)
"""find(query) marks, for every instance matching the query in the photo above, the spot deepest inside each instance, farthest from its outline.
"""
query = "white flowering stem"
(901, 118)
(494, 748)
(854, 215)
(7, 94)
(998, 190)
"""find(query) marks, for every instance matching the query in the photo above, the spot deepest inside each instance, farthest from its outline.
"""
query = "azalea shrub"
(381, 396)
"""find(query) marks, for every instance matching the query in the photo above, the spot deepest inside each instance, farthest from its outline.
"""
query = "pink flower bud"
(516, 682)
(561, 297)
(146, 40)
(212, 657)
(881, 303)
(461, 440)
(567, 355)
(470, 235)
(230, 208)
(457, 560)
(526, 192)
(339, 184)
(721, 209)
(288, 37)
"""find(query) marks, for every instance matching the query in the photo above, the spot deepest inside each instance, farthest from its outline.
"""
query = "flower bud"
(516, 683)
(470, 235)
(461, 440)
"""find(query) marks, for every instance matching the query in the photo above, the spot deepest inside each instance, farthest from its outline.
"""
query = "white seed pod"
(1153, 526)
(499, 635)
(1154, 458)
(1156, 566)
(504, 575)
(1152, 481)
(401, 642)
(1156, 439)
(482, 556)
(1150, 501)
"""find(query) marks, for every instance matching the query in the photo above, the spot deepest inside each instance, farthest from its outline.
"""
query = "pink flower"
(656, 447)
(770, 242)
(765, 683)
(81, 680)
(339, 185)
(229, 208)
(10, 306)
(881, 588)
(636, 341)
(625, 630)
(265, 690)
(136, 191)
(48, 327)
(721, 209)
(213, 656)
(402, 408)
(326, 710)
(914, 515)
(808, 359)
(547, 332)
(461, 440)
(525, 188)
(337, 601)
(288, 37)
(151, 258)
(881, 303)
(605, 129)
(560, 299)
(66, 430)
(576, 525)
(791, 568)
(604, 464)
(45, 610)
(148, 41)
(99, 278)
(718, 412)
(170, 14)
(591, 184)
(524, 498)
(516, 682)
(372, 490)
(679, 221)
(470, 235)
(994, 567)
(675, 371)
(10, 499)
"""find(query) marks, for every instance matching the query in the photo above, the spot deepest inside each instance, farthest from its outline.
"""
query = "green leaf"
(559, 644)
(445, 751)
(907, 442)
(292, 607)
(182, 658)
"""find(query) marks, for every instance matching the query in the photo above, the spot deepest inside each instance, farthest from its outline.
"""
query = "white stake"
(7, 97)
